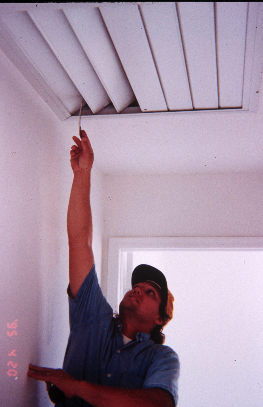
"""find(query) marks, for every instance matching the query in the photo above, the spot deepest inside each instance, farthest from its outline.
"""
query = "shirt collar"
(140, 336)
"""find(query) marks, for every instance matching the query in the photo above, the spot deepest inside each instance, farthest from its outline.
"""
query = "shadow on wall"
(33, 237)
(20, 300)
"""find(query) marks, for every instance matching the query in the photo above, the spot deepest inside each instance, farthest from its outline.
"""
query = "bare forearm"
(103, 396)
(79, 219)
(99, 395)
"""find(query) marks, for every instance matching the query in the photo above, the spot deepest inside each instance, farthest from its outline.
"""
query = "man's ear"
(158, 321)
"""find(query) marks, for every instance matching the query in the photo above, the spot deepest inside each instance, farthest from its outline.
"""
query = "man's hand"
(58, 377)
(99, 395)
(81, 154)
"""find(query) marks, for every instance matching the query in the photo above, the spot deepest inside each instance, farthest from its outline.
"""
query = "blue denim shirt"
(96, 353)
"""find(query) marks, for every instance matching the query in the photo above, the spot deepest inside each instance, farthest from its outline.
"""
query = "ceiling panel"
(126, 29)
(231, 22)
(30, 72)
(87, 23)
(162, 26)
(253, 57)
(198, 33)
(126, 58)
(31, 42)
(55, 28)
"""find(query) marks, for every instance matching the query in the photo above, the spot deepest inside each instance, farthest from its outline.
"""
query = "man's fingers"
(84, 142)
(75, 150)
(86, 145)
(81, 154)
(85, 138)
(44, 373)
(39, 368)
(83, 134)
(38, 375)
(77, 141)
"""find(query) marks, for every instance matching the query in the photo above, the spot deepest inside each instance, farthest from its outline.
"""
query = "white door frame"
(120, 254)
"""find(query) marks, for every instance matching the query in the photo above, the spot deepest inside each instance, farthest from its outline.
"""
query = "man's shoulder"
(164, 352)
(89, 303)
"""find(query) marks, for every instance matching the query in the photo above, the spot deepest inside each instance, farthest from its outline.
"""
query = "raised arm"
(79, 218)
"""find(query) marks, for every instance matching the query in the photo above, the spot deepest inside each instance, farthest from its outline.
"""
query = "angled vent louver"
(123, 58)
(55, 28)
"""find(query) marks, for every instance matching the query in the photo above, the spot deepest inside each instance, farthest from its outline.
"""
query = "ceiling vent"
(127, 58)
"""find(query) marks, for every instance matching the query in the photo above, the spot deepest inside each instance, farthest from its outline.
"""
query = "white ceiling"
(198, 143)
(220, 73)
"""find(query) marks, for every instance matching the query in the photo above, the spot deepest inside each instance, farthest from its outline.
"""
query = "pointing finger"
(40, 368)
(86, 144)
(77, 141)
(83, 134)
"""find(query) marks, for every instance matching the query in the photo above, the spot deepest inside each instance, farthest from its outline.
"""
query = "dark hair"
(157, 335)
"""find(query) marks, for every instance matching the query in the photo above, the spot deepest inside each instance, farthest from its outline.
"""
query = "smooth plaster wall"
(182, 205)
(35, 184)
(217, 313)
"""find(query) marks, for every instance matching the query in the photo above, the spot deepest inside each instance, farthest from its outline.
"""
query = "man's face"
(143, 301)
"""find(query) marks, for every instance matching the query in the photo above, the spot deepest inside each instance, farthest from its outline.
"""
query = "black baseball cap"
(144, 273)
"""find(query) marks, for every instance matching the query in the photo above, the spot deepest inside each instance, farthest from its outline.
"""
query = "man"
(110, 361)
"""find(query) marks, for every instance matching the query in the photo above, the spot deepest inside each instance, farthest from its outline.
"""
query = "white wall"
(217, 328)
(182, 205)
(35, 184)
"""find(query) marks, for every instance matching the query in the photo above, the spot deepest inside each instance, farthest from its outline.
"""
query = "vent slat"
(25, 66)
(38, 52)
(88, 25)
(57, 32)
(162, 25)
(131, 58)
(126, 29)
(253, 59)
(231, 41)
(198, 31)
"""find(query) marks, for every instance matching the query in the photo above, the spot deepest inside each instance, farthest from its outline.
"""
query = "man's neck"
(130, 333)
(126, 339)
(130, 328)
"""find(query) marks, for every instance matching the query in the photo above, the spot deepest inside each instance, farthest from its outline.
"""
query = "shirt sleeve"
(164, 372)
(89, 302)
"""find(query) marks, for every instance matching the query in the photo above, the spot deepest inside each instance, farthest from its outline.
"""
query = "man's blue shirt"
(96, 353)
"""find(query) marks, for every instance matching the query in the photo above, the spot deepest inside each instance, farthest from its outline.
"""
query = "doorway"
(217, 329)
